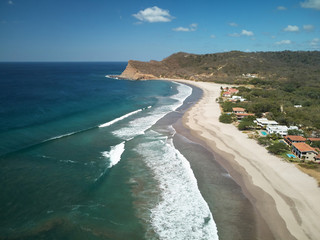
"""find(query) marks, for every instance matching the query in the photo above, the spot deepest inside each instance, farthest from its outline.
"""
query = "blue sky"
(119, 30)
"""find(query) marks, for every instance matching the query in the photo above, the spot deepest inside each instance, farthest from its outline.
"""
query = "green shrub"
(226, 118)
(277, 148)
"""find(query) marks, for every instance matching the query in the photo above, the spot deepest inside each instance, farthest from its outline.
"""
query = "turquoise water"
(264, 133)
(291, 155)
(81, 159)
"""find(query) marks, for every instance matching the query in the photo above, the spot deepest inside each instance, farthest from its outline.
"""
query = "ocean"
(86, 156)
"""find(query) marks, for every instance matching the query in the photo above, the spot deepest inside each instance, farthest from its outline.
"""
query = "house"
(263, 122)
(237, 98)
(290, 139)
(317, 158)
(243, 115)
(304, 151)
(280, 129)
(298, 106)
(314, 139)
(229, 92)
(238, 110)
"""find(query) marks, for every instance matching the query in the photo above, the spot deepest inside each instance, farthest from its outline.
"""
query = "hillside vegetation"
(301, 68)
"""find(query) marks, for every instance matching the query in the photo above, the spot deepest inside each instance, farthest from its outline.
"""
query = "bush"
(277, 148)
(225, 118)
(264, 141)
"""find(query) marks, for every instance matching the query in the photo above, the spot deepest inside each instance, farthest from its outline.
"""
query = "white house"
(236, 98)
(280, 129)
(263, 122)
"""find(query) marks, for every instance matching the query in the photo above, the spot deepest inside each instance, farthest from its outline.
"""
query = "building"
(237, 98)
(229, 92)
(280, 129)
(314, 139)
(290, 139)
(243, 115)
(263, 122)
(304, 151)
(238, 110)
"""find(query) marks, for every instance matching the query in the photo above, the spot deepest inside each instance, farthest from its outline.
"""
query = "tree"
(277, 148)
(264, 141)
(247, 123)
(295, 132)
(226, 118)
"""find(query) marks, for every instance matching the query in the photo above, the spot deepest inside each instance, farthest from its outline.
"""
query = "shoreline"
(285, 198)
(286, 201)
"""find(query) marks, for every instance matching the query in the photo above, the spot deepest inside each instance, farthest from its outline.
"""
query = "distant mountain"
(232, 67)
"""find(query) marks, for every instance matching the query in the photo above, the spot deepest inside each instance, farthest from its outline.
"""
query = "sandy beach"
(285, 200)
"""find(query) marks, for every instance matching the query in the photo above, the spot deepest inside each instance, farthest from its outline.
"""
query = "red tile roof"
(296, 138)
(238, 109)
(303, 147)
(244, 114)
(314, 139)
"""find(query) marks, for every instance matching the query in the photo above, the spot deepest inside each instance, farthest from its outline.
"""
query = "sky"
(120, 30)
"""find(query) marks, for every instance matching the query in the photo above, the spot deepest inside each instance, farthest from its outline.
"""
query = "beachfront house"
(304, 151)
(238, 110)
(264, 122)
(237, 98)
(228, 92)
(314, 140)
(243, 115)
(290, 139)
(280, 129)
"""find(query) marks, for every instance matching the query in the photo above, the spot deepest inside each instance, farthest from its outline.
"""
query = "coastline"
(286, 201)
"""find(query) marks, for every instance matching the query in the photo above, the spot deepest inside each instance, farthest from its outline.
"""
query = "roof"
(277, 127)
(244, 114)
(314, 139)
(265, 121)
(294, 138)
(303, 147)
(233, 90)
(238, 109)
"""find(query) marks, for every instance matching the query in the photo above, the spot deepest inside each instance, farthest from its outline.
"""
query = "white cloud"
(291, 28)
(246, 33)
(153, 14)
(243, 33)
(10, 2)
(315, 4)
(284, 42)
(315, 43)
(281, 8)
(308, 28)
(191, 28)
(233, 24)
(212, 36)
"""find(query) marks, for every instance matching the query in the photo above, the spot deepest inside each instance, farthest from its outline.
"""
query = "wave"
(114, 156)
(119, 118)
(181, 212)
(140, 125)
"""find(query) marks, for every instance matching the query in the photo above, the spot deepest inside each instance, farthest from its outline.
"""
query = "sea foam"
(140, 125)
(114, 154)
(181, 212)
(119, 118)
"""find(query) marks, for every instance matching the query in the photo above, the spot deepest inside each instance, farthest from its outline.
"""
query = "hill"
(229, 67)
